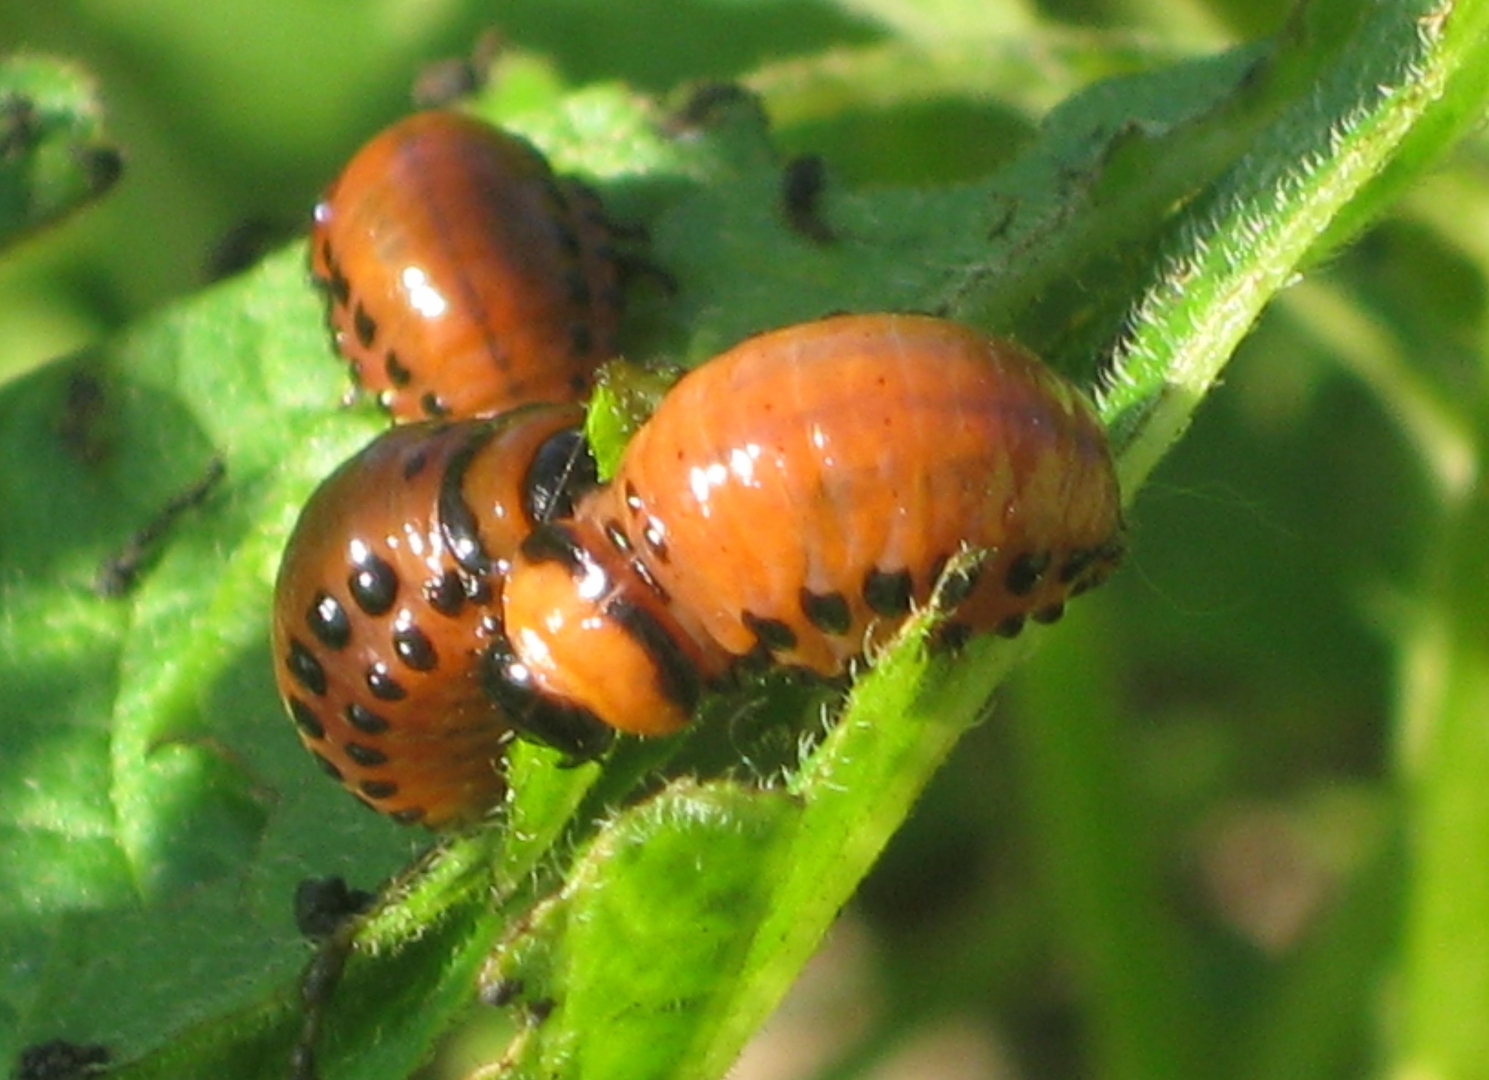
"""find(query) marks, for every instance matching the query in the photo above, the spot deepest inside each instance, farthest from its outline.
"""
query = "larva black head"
(562, 470)
(575, 731)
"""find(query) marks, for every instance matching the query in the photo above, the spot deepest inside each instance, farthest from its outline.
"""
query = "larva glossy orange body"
(388, 597)
(795, 498)
(463, 277)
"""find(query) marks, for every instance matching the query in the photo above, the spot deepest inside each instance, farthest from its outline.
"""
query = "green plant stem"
(891, 742)
(1445, 757)
(1125, 949)
(1400, 86)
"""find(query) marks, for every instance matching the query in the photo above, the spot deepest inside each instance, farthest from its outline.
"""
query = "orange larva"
(463, 277)
(796, 498)
(388, 598)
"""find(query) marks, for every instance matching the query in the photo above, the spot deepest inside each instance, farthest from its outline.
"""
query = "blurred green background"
(1249, 657)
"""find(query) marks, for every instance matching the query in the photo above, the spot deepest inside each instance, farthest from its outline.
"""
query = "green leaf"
(148, 813)
(716, 845)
